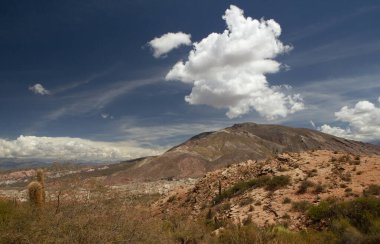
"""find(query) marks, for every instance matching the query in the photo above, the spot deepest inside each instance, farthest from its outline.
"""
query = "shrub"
(286, 216)
(223, 207)
(209, 214)
(247, 220)
(303, 186)
(323, 210)
(362, 213)
(171, 198)
(342, 185)
(278, 234)
(287, 200)
(301, 206)
(270, 183)
(277, 182)
(346, 232)
(354, 162)
(344, 158)
(312, 173)
(346, 177)
(319, 188)
(372, 190)
(245, 201)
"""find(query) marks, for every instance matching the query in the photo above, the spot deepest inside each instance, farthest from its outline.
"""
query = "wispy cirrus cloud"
(332, 51)
(88, 101)
(166, 135)
(317, 28)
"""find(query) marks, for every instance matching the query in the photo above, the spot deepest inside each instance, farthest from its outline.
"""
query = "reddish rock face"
(329, 175)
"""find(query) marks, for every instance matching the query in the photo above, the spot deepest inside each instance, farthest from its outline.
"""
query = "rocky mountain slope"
(248, 141)
(276, 191)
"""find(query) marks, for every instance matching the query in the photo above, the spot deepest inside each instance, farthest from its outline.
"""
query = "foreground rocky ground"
(324, 196)
(312, 177)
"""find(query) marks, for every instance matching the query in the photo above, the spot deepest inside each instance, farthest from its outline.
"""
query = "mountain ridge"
(208, 151)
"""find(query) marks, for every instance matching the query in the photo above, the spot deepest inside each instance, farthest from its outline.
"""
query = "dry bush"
(302, 188)
(301, 206)
(319, 188)
(127, 218)
(102, 221)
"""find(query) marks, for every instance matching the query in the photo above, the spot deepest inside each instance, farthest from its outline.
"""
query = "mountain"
(377, 142)
(212, 150)
(11, 164)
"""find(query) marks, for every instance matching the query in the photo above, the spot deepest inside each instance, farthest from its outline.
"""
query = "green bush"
(372, 190)
(301, 206)
(363, 213)
(323, 211)
(270, 183)
(277, 182)
(245, 201)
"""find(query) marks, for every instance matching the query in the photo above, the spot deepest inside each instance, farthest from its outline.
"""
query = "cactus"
(35, 194)
(41, 180)
(219, 187)
(36, 190)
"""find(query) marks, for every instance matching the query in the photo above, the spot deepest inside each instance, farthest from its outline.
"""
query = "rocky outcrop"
(314, 176)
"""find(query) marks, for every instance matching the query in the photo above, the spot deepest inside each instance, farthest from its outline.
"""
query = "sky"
(105, 81)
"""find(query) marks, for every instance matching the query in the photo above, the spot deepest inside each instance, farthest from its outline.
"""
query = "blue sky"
(107, 95)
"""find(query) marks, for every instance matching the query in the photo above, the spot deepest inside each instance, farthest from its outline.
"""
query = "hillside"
(247, 192)
(248, 141)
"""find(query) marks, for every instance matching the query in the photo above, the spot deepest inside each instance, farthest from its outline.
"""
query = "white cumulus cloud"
(67, 148)
(167, 42)
(363, 122)
(39, 89)
(227, 70)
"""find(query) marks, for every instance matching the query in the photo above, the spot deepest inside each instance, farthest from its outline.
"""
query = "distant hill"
(212, 150)
(377, 142)
(10, 164)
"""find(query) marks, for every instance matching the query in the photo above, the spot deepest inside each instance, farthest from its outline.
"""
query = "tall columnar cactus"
(41, 180)
(219, 187)
(36, 190)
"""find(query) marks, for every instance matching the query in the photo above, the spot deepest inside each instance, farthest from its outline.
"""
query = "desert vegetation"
(36, 190)
(127, 219)
(282, 200)
(269, 183)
